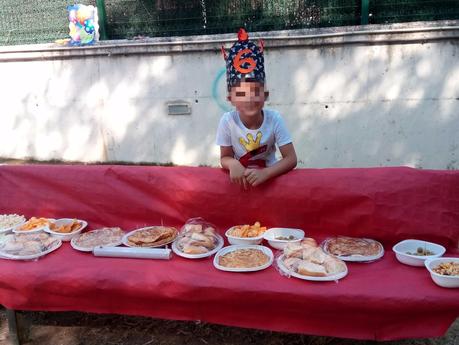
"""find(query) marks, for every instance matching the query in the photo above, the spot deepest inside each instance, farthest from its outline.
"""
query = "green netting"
(194, 17)
(45, 21)
(396, 11)
(24, 22)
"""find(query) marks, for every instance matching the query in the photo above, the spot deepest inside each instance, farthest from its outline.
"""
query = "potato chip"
(246, 230)
(34, 223)
(66, 228)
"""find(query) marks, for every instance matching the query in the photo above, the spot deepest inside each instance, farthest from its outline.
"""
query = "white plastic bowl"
(66, 236)
(271, 234)
(401, 249)
(439, 279)
(242, 240)
(11, 228)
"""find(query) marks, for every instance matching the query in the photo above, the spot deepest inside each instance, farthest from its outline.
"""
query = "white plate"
(66, 236)
(401, 249)
(229, 249)
(219, 246)
(126, 243)
(86, 249)
(34, 231)
(242, 240)
(357, 258)
(56, 245)
(287, 272)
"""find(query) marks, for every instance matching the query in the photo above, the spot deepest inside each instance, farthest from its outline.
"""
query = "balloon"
(82, 24)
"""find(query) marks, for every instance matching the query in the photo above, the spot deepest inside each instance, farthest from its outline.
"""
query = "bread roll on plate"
(191, 249)
(310, 269)
(334, 266)
(308, 241)
(202, 240)
(293, 250)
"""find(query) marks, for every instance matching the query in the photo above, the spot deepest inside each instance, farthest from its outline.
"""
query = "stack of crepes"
(306, 258)
(99, 237)
(349, 246)
(153, 236)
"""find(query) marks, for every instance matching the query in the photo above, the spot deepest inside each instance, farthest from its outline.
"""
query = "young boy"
(247, 136)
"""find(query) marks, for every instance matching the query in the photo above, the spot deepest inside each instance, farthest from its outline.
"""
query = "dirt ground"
(71, 328)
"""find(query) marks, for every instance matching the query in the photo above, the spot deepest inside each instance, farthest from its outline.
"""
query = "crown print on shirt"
(250, 144)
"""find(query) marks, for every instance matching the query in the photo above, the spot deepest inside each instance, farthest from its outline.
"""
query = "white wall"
(351, 97)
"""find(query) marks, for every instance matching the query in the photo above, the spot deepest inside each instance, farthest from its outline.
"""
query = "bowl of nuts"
(415, 252)
(444, 271)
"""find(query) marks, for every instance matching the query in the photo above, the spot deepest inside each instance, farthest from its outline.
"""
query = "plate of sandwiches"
(27, 246)
(105, 237)
(353, 249)
(243, 258)
(150, 236)
(197, 242)
(307, 261)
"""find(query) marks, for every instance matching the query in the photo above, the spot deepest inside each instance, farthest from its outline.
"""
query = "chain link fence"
(45, 21)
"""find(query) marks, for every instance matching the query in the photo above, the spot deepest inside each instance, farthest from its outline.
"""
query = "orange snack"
(34, 223)
(254, 230)
(66, 228)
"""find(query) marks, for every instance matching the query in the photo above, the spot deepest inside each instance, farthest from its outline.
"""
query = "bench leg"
(13, 326)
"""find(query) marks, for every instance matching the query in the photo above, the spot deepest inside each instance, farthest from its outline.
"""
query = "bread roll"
(193, 228)
(202, 240)
(310, 269)
(307, 252)
(292, 263)
(293, 250)
(182, 242)
(190, 249)
(209, 231)
(308, 241)
(334, 266)
(318, 256)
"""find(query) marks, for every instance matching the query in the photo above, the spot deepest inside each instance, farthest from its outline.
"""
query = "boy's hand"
(237, 170)
(256, 176)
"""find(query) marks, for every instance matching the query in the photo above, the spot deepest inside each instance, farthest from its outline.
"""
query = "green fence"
(24, 22)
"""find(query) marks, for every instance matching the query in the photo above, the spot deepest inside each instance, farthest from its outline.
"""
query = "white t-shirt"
(232, 132)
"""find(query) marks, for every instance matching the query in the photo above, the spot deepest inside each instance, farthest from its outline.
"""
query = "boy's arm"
(235, 168)
(287, 163)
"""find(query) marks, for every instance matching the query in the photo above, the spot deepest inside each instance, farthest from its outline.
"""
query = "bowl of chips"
(33, 225)
(246, 234)
(66, 228)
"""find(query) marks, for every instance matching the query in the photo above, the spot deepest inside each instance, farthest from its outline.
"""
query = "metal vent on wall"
(178, 108)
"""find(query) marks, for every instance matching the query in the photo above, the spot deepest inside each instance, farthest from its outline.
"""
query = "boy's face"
(248, 98)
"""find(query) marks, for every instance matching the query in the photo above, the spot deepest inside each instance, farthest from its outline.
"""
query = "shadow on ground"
(72, 328)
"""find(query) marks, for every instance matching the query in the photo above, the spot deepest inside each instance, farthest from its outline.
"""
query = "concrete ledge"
(416, 32)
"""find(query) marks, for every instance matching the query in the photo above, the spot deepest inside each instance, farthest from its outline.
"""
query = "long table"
(383, 300)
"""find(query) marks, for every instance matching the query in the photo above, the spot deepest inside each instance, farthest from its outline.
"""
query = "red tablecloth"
(382, 300)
